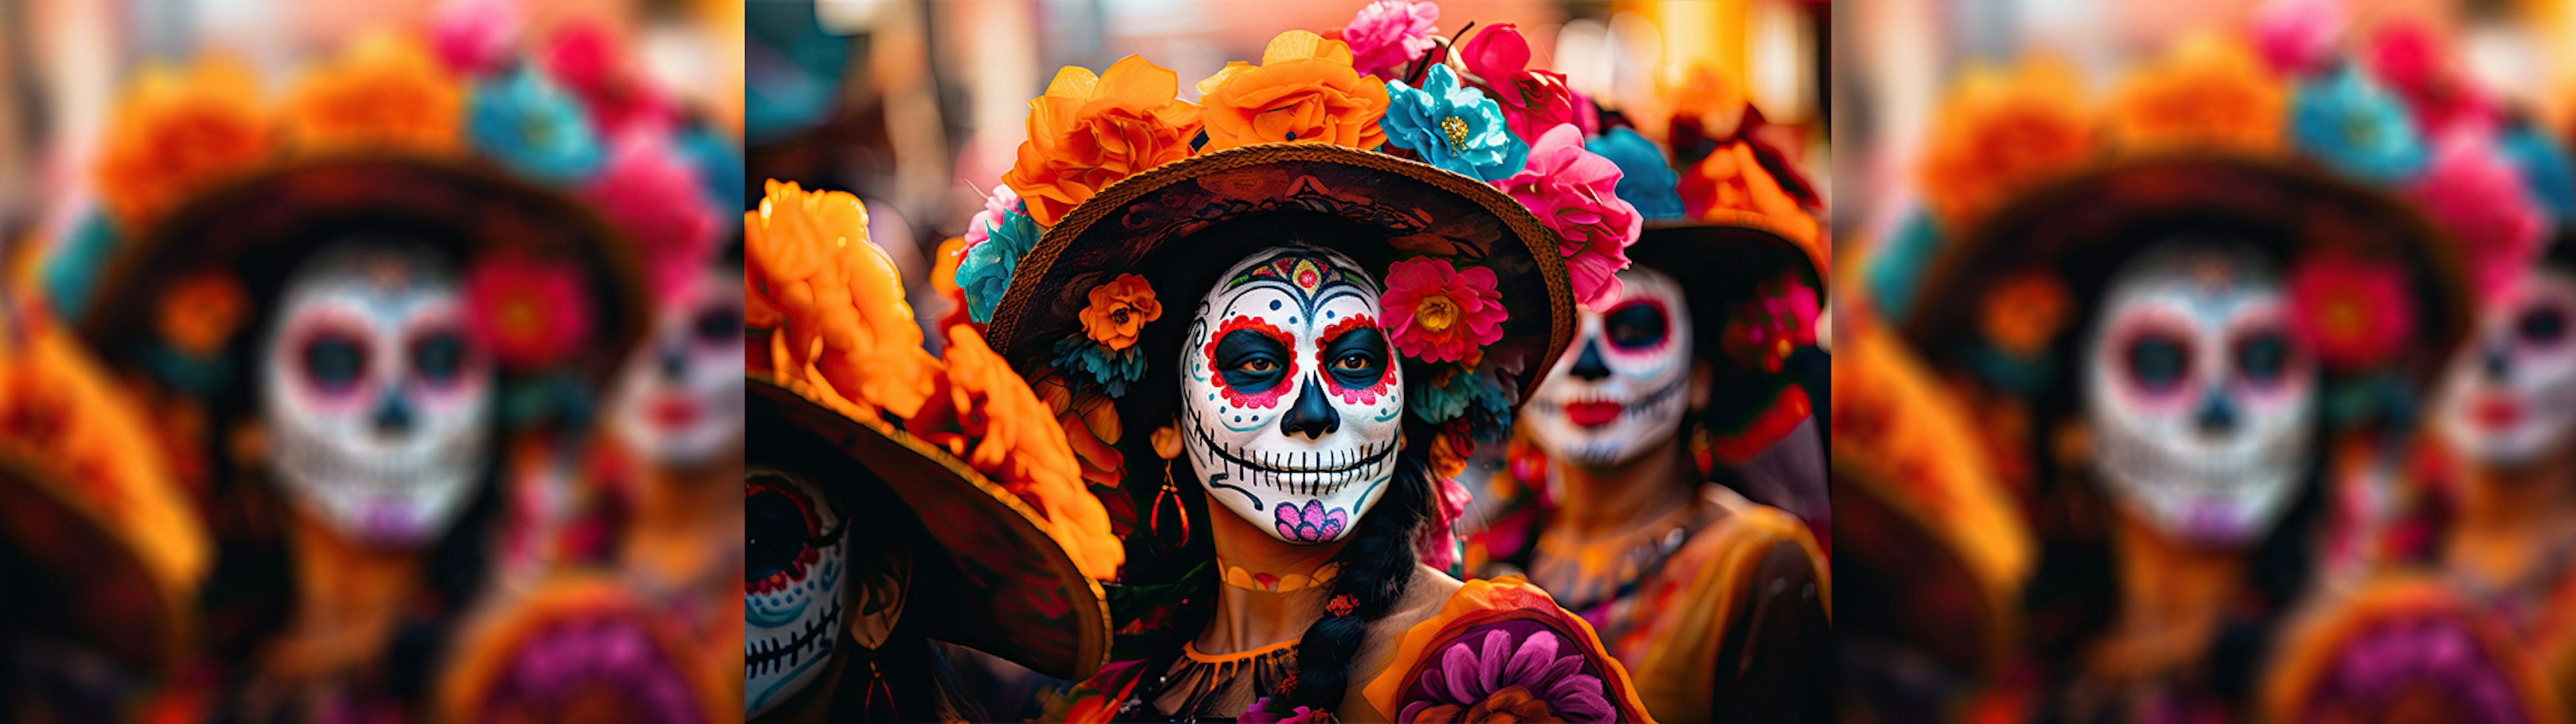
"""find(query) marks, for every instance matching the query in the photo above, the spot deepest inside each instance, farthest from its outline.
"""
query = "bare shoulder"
(1429, 590)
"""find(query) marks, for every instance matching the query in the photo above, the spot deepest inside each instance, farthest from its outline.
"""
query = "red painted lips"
(1593, 414)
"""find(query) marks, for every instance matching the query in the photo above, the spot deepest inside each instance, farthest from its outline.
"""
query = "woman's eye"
(1257, 365)
(1352, 362)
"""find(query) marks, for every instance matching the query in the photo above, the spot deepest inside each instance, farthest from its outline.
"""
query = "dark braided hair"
(1377, 568)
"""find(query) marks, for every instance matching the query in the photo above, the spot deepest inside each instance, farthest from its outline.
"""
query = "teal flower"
(1646, 181)
(1111, 368)
(1453, 127)
(1438, 403)
(532, 126)
(2357, 127)
(71, 273)
(2545, 171)
(986, 271)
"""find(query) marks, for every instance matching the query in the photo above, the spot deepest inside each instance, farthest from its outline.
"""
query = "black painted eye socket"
(2263, 357)
(440, 357)
(334, 361)
(1636, 325)
(1357, 359)
(2543, 324)
(2158, 362)
(718, 325)
(776, 528)
(1251, 362)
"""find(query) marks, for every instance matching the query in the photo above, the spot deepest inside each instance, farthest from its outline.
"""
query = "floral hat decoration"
(1460, 169)
(561, 185)
(2384, 214)
(837, 359)
(1728, 210)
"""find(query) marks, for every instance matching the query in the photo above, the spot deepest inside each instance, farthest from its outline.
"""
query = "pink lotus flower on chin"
(996, 206)
(1388, 35)
(2473, 192)
(1311, 524)
(1533, 101)
(1574, 191)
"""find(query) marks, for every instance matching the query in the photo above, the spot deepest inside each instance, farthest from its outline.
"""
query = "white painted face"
(1291, 397)
(2199, 395)
(2510, 399)
(1618, 392)
(378, 401)
(679, 401)
(792, 596)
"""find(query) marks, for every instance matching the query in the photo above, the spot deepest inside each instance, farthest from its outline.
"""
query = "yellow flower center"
(1457, 129)
(1435, 314)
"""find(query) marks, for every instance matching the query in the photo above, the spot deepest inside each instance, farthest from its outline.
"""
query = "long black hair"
(1169, 591)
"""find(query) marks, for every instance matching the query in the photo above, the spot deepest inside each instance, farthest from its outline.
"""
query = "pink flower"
(1493, 677)
(1779, 319)
(2296, 36)
(587, 61)
(1440, 314)
(475, 37)
(2411, 60)
(1438, 544)
(531, 313)
(2472, 191)
(2354, 312)
(1573, 190)
(1388, 35)
(652, 195)
(1310, 524)
(1533, 100)
(996, 206)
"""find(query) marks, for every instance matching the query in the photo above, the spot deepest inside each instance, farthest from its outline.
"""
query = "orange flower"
(1119, 309)
(1304, 90)
(1089, 131)
(1738, 190)
(847, 324)
(176, 133)
(1091, 425)
(943, 281)
(992, 420)
(1998, 134)
(2209, 90)
(387, 91)
(201, 312)
(2023, 313)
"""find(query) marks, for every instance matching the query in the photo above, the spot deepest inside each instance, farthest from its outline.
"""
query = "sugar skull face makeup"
(1618, 391)
(377, 400)
(1291, 397)
(679, 401)
(2198, 394)
(2510, 398)
(792, 601)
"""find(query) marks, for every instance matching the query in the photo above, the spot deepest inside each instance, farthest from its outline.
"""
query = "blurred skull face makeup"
(792, 585)
(2510, 399)
(1618, 391)
(2198, 394)
(679, 401)
(1291, 398)
(377, 401)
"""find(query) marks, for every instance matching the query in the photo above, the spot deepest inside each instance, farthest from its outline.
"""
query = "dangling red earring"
(1180, 516)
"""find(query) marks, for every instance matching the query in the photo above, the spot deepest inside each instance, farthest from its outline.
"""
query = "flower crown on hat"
(566, 117)
(1385, 82)
(2392, 116)
(843, 336)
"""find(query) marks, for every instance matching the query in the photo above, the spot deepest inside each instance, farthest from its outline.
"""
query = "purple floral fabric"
(1514, 670)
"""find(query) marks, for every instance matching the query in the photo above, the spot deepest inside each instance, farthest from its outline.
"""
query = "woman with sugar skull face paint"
(2174, 376)
(337, 355)
(872, 534)
(1272, 360)
(1666, 388)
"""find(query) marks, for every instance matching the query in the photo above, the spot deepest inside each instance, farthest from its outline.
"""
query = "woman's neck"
(677, 512)
(2504, 511)
(1248, 619)
(348, 596)
(1599, 502)
(2172, 597)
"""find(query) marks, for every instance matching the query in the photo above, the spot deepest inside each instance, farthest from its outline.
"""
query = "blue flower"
(1646, 181)
(720, 167)
(2357, 127)
(2544, 170)
(1437, 404)
(1898, 267)
(71, 273)
(986, 271)
(534, 127)
(1453, 127)
(1112, 369)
